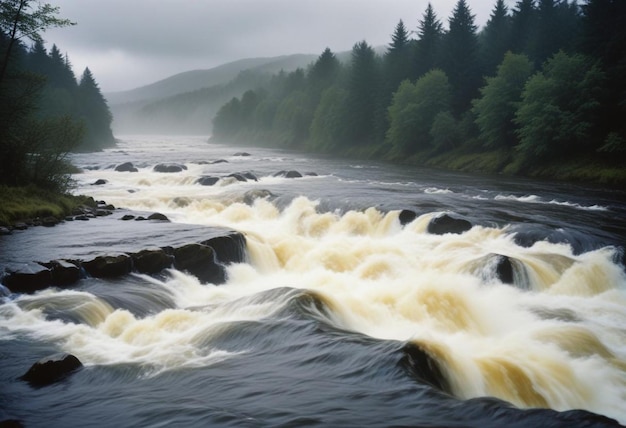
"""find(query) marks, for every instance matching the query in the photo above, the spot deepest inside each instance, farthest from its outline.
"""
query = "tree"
(18, 20)
(559, 109)
(428, 45)
(414, 109)
(500, 99)
(96, 113)
(495, 38)
(460, 60)
(522, 26)
(397, 59)
(328, 128)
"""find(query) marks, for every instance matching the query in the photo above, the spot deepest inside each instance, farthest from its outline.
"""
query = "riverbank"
(30, 204)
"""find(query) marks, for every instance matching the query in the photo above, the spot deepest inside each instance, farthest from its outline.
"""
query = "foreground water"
(314, 328)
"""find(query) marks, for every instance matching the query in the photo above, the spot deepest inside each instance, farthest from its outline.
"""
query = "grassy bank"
(25, 203)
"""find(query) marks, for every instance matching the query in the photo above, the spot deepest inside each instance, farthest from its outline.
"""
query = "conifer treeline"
(541, 82)
(45, 114)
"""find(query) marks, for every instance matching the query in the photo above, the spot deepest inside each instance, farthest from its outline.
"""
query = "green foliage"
(445, 132)
(499, 100)
(414, 109)
(328, 128)
(428, 46)
(495, 39)
(559, 108)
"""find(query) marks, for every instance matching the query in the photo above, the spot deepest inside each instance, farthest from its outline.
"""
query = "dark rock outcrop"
(51, 369)
(127, 217)
(448, 223)
(4, 231)
(27, 277)
(251, 195)
(126, 167)
(158, 216)
(151, 260)
(99, 182)
(406, 217)
(109, 266)
(238, 177)
(288, 174)
(169, 167)
(229, 248)
(63, 272)
(200, 261)
(213, 162)
(207, 180)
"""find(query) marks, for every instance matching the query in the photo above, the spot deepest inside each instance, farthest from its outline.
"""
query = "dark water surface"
(320, 326)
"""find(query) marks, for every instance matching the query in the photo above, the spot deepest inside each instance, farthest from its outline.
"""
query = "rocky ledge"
(37, 258)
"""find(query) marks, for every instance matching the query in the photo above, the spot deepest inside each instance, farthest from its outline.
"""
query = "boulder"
(127, 217)
(158, 216)
(241, 154)
(229, 248)
(213, 162)
(4, 231)
(249, 176)
(27, 277)
(20, 226)
(102, 212)
(406, 217)
(151, 260)
(238, 177)
(207, 181)
(109, 266)
(126, 167)
(200, 261)
(448, 223)
(64, 272)
(288, 174)
(99, 182)
(169, 167)
(51, 369)
(83, 217)
(311, 174)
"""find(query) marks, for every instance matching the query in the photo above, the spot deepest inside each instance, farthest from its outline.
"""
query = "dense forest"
(45, 111)
(539, 85)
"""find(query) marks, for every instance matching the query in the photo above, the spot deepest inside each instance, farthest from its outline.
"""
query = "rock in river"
(51, 369)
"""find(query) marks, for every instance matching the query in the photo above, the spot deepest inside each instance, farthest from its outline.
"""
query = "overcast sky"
(131, 43)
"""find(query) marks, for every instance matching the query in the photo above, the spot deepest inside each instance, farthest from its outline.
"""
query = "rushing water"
(313, 329)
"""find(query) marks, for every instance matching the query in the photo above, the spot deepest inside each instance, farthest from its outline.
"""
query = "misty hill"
(186, 102)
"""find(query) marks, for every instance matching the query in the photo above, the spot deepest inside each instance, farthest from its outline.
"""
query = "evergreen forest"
(45, 111)
(538, 91)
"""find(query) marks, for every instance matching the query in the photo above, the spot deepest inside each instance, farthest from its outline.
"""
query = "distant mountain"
(190, 81)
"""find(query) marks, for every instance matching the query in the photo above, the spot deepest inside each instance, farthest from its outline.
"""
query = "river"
(313, 330)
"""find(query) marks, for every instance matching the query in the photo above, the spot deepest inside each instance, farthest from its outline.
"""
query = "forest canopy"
(540, 83)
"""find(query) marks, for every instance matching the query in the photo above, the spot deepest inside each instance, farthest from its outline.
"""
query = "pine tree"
(523, 24)
(95, 113)
(460, 60)
(323, 74)
(495, 38)
(397, 59)
(430, 32)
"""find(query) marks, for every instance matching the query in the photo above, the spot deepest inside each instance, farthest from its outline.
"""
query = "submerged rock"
(251, 195)
(241, 154)
(229, 248)
(51, 369)
(109, 266)
(158, 216)
(169, 167)
(421, 366)
(207, 181)
(99, 182)
(448, 223)
(126, 167)
(200, 261)
(288, 174)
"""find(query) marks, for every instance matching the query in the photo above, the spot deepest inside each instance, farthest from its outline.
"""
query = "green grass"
(23, 203)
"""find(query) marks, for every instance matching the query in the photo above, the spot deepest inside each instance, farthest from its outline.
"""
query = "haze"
(128, 44)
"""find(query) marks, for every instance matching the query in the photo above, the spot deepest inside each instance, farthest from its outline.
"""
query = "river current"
(313, 329)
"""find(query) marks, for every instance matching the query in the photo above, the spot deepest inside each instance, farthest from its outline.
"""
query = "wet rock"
(406, 217)
(207, 181)
(241, 154)
(158, 216)
(238, 177)
(229, 248)
(218, 161)
(27, 277)
(200, 261)
(169, 167)
(51, 369)
(4, 231)
(106, 206)
(311, 174)
(20, 226)
(421, 366)
(151, 260)
(82, 217)
(63, 272)
(288, 174)
(102, 212)
(109, 266)
(99, 182)
(504, 269)
(140, 218)
(127, 217)
(249, 176)
(251, 195)
(126, 167)
(448, 223)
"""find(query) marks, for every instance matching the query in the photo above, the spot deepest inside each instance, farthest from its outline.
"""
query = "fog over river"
(320, 325)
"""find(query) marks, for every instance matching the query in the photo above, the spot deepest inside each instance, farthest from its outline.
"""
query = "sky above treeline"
(131, 43)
